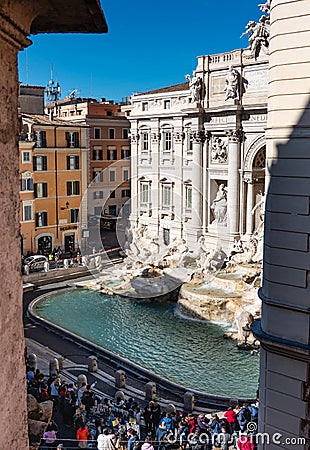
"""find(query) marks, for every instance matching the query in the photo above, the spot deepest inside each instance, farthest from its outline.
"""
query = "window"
(98, 175)
(74, 215)
(73, 188)
(166, 104)
(27, 212)
(167, 141)
(97, 210)
(97, 133)
(112, 175)
(97, 194)
(112, 210)
(166, 195)
(97, 154)
(111, 133)
(112, 194)
(40, 138)
(125, 174)
(26, 157)
(73, 162)
(144, 193)
(188, 197)
(144, 141)
(112, 154)
(27, 184)
(72, 138)
(40, 190)
(125, 193)
(189, 142)
(145, 106)
(41, 219)
(109, 113)
(166, 236)
(125, 153)
(39, 163)
(125, 133)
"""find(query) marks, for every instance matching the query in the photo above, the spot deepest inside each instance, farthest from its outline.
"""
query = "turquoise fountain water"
(154, 335)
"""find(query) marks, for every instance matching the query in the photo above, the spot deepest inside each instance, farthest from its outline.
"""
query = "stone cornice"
(13, 33)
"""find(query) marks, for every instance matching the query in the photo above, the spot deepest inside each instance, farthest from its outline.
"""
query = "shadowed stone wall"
(285, 324)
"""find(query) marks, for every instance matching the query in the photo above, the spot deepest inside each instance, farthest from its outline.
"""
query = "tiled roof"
(173, 88)
(43, 119)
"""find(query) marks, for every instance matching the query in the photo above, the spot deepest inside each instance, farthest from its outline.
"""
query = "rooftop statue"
(232, 84)
(259, 32)
(195, 87)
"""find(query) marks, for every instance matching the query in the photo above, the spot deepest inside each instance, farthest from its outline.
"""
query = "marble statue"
(195, 87)
(219, 205)
(142, 248)
(232, 84)
(259, 32)
(265, 7)
(258, 234)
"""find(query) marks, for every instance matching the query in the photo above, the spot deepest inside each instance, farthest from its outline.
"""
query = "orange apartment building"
(53, 175)
(109, 152)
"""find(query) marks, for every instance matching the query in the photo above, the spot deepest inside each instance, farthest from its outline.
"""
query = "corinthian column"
(198, 140)
(234, 137)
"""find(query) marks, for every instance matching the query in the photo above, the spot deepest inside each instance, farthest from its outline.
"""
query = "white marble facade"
(198, 141)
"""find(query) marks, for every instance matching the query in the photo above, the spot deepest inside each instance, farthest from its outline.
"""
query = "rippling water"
(153, 334)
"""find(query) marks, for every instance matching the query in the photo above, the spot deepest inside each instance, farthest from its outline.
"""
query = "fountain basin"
(155, 336)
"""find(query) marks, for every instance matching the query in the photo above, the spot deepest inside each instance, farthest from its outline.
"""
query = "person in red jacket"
(231, 418)
(191, 423)
(82, 436)
(245, 442)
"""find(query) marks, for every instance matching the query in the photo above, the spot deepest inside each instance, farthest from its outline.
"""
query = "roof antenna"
(53, 90)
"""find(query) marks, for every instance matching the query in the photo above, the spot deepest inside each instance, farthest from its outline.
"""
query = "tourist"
(147, 444)
(201, 423)
(88, 399)
(191, 422)
(82, 436)
(68, 410)
(44, 393)
(231, 418)
(101, 440)
(30, 374)
(156, 414)
(132, 435)
(243, 416)
(161, 434)
(223, 440)
(214, 424)
(148, 417)
(254, 413)
(50, 437)
(169, 422)
(80, 393)
(54, 394)
(245, 442)
(182, 434)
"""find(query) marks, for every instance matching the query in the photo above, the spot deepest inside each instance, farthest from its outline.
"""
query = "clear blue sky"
(150, 44)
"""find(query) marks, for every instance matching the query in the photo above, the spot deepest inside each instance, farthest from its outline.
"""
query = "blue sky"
(150, 44)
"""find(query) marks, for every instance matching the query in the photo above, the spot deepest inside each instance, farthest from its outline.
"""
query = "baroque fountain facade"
(198, 160)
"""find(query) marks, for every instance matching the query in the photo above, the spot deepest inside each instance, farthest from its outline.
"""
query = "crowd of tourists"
(124, 424)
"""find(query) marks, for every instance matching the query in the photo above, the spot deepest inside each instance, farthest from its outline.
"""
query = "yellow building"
(53, 173)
